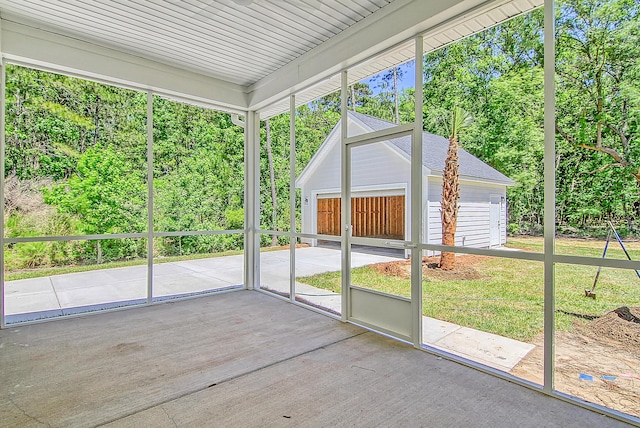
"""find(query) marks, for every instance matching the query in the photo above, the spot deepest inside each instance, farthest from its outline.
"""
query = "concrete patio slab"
(114, 292)
(19, 303)
(495, 351)
(95, 278)
(128, 273)
(194, 283)
(230, 275)
(435, 329)
(197, 363)
(170, 269)
(33, 285)
(213, 263)
(320, 298)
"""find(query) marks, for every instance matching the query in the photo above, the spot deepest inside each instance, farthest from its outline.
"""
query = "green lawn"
(507, 298)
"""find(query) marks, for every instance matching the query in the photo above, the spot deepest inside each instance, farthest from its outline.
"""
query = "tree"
(272, 181)
(360, 96)
(106, 194)
(598, 102)
(389, 95)
(458, 121)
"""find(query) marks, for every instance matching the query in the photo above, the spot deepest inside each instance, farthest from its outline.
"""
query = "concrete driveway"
(82, 291)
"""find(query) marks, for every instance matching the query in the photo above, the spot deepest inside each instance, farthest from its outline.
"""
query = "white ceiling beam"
(45, 49)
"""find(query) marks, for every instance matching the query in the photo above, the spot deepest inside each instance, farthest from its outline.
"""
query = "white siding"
(473, 213)
(375, 167)
(326, 178)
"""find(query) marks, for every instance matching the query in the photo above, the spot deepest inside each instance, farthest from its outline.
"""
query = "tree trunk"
(449, 205)
(274, 200)
(353, 98)
(395, 95)
(96, 123)
(99, 256)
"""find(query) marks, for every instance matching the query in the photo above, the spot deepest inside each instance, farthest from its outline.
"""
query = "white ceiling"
(218, 38)
(267, 49)
(441, 35)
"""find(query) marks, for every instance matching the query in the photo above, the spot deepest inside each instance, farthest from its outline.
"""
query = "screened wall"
(164, 198)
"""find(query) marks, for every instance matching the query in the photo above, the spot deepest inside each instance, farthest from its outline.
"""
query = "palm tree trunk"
(449, 205)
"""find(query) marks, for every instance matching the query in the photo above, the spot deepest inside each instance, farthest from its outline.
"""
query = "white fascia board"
(42, 48)
(382, 30)
(468, 179)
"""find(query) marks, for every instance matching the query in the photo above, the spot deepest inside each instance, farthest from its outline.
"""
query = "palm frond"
(459, 120)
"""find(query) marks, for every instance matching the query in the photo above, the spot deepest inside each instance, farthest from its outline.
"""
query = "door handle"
(399, 244)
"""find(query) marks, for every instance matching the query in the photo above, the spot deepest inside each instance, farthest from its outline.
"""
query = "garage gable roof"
(433, 158)
(436, 152)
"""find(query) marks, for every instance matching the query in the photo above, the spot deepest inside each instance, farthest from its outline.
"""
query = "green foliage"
(52, 118)
(498, 75)
(234, 218)
(89, 139)
(106, 194)
(598, 46)
(198, 172)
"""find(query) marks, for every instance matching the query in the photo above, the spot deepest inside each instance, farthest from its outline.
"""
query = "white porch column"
(549, 193)
(2, 118)
(252, 200)
(345, 185)
(416, 201)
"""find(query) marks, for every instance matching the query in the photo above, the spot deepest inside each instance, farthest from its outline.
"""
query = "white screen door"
(378, 188)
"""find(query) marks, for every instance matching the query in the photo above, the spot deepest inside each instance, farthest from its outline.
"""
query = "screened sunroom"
(156, 267)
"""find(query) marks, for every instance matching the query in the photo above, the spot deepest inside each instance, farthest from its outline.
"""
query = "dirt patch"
(620, 326)
(464, 270)
(597, 362)
(401, 268)
(286, 247)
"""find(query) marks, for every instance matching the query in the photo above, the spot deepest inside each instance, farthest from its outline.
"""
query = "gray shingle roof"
(436, 151)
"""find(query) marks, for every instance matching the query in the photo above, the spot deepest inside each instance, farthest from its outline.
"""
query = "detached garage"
(380, 176)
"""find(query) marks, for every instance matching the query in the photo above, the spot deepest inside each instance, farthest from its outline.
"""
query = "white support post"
(2, 147)
(549, 195)
(416, 201)
(292, 197)
(346, 199)
(149, 197)
(251, 200)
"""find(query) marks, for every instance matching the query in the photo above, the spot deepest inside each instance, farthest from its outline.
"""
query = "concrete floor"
(245, 359)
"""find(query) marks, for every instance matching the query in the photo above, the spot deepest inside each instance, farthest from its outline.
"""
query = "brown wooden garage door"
(373, 217)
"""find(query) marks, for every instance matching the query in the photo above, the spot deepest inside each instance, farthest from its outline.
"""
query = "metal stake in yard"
(612, 230)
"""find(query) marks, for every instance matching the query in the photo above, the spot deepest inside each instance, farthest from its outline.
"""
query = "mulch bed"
(464, 270)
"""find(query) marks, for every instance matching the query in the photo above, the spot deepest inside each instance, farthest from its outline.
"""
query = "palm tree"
(459, 120)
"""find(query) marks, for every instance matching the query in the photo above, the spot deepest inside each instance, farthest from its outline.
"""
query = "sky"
(406, 81)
